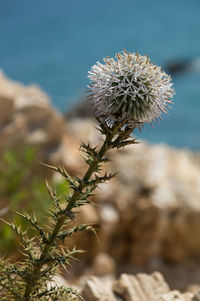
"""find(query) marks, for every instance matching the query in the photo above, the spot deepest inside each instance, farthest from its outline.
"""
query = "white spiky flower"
(129, 88)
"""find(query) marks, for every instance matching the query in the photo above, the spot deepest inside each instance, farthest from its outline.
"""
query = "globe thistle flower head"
(129, 88)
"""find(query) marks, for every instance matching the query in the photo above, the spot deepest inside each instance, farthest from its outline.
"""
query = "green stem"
(74, 198)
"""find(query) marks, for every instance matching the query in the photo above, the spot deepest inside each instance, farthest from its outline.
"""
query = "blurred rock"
(151, 210)
(6, 108)
(141, 287)
(97, 290)
(26, 117)
(196, 297)
(156, 194)
(77, 131)
(103, 265)
(194, 289)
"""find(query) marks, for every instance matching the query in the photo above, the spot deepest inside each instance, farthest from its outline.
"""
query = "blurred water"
(55, 43)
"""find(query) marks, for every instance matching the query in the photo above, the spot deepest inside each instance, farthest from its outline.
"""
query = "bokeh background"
(55, 43)
(148, 217)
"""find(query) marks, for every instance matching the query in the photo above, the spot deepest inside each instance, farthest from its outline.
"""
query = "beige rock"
(88, 214)
(196, 297)
(102, 265)
(97, 290)
(70, 156)
(141, 287)
(193, 288)
(13, 134)
(87, 241)
(6, 108)
(156, 194)
(26, 117)
(175, 296)
(84, 131)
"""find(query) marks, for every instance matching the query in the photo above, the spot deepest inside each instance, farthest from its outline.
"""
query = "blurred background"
(54, 44)
(149, 218)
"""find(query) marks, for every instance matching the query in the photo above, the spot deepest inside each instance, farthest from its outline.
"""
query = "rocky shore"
(147, 218)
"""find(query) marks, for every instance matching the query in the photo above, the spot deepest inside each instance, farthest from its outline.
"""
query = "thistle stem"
(83, 184)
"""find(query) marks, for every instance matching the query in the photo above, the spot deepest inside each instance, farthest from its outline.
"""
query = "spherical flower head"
(129, 88)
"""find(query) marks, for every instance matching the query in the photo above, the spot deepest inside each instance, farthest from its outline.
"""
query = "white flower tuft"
(129, 88)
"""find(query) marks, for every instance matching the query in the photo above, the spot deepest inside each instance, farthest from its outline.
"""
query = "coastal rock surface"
(151, 210)
(26, 117)
(141, 287)
(155, 201)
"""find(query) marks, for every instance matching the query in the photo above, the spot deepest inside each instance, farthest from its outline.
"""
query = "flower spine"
(129, 88)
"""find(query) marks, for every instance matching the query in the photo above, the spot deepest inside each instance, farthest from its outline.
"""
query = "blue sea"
(55, 43)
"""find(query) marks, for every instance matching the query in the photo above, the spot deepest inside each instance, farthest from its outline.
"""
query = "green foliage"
(21, 188)
(45, 252)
